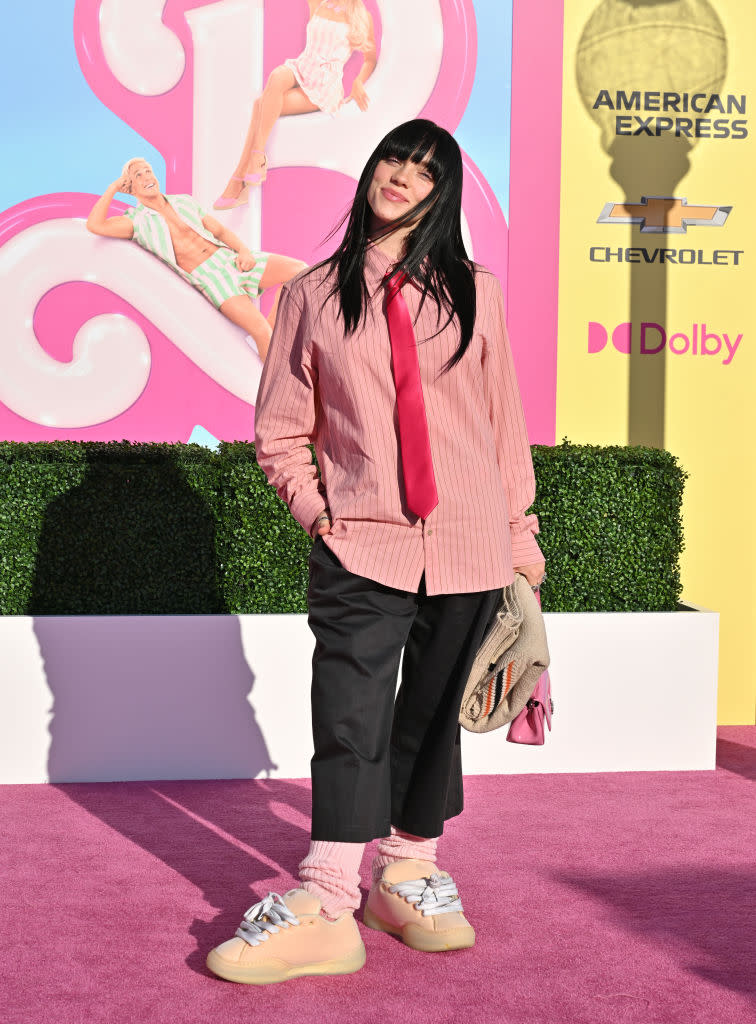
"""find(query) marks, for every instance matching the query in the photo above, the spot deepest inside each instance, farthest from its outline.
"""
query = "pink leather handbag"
(527, 727)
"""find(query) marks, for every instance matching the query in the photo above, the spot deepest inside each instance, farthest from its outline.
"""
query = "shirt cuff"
(525, 550)
(306, 508)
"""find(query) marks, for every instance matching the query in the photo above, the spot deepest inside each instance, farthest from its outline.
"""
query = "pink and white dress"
(319, 69)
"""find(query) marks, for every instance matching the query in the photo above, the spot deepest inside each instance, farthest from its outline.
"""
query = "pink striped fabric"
(337, 392)
(319, 69)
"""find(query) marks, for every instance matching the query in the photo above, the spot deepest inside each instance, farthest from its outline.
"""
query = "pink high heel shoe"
(257, 177)
(224, 203)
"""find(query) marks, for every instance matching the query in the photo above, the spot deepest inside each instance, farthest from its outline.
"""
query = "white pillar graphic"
(228, 77)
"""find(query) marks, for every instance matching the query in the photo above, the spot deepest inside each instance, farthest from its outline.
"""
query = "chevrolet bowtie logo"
(664, 215)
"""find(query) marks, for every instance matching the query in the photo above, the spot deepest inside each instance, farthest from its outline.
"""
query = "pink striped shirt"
(337, 392)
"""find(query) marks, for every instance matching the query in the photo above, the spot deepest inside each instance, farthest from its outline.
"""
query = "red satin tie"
(417, 464)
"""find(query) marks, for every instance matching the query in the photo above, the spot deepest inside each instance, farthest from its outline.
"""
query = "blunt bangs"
(421, 141)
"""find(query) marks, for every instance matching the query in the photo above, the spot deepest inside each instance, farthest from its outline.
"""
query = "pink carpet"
(598, 899)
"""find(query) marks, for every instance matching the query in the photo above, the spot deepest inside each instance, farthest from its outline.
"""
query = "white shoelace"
(434, 895)
(269, 915)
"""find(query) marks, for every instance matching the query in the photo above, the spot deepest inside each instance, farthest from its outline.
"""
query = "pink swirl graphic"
(37, 358)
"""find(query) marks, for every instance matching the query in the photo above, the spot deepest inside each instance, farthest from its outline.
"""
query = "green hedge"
(119, 528)
(263, 549)
(611, 527)
(108, 529)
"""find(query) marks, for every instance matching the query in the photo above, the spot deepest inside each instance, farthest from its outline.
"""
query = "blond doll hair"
(359, 23)
(126, 172)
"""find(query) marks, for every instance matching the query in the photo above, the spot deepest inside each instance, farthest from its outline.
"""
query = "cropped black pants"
(384, 758)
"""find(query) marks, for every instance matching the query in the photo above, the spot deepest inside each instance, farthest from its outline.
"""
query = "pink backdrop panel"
(535, 179)
(178, 394)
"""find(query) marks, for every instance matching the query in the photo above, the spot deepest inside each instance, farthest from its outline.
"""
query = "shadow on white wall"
(150, 698)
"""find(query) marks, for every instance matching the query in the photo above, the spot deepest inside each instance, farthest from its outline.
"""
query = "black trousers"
(379, 761)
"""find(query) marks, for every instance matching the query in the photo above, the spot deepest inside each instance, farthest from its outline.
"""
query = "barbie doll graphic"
(312, 81)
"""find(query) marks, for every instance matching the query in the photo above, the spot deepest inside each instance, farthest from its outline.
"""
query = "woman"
(311, 81)
(409, 555)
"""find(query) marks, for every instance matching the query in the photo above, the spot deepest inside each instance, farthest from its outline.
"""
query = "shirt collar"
(377, 265)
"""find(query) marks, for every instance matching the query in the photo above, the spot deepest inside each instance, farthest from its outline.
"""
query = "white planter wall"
(199, 697)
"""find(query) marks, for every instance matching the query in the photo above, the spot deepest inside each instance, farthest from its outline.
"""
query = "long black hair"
(435, 253)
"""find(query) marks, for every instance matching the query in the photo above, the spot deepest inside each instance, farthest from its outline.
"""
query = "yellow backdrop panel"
(657, 321)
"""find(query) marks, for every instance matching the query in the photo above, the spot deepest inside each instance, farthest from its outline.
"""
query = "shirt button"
(429, 533)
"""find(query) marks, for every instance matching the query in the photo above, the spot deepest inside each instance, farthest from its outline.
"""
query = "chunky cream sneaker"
(415, 900)
(286, 937)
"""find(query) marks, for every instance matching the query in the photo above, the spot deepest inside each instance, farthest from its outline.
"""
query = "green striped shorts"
(219, 279)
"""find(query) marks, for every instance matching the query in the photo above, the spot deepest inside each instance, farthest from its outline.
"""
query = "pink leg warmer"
(331, 871)
(402, 846)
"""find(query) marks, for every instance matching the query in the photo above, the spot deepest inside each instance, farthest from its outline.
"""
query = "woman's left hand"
(534, 573)
(359, 95)
(245, 260)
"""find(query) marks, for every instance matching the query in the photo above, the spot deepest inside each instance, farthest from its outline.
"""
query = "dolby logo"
(650, 339)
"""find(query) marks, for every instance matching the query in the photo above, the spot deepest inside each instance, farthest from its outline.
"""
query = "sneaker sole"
(268, 974)
(425, 941)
